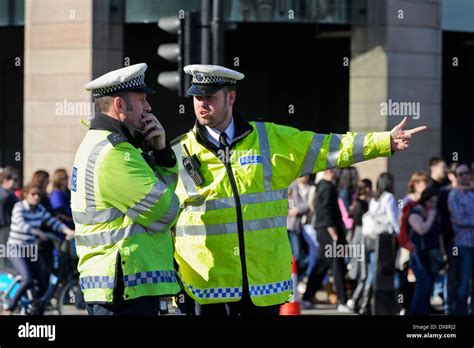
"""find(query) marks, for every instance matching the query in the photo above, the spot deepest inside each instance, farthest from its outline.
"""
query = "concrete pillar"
(397, 57)
(67, 43)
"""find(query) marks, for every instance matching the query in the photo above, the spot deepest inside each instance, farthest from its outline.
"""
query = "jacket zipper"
(240, 223)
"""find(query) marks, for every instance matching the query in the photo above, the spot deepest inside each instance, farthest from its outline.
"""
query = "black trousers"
(244, 307)
(323, 264)
(147, 305)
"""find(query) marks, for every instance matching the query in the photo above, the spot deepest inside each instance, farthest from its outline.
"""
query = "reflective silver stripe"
(265, 153)
(147, 202)
(109, 237)
(229, 202)
(169, 179)
(91, 215)
(188, 183)
(358, 148)
(89, 178)
(312, 154)
(169, 216)
(96, 217)
(229, 228)
(334, 150)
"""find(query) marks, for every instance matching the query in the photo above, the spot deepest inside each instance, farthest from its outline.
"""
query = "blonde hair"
(415, 178)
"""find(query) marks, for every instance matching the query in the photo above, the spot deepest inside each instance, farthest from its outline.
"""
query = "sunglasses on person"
(462, 173)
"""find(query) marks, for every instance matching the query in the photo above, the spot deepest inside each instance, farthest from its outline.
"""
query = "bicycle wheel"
(71, 300)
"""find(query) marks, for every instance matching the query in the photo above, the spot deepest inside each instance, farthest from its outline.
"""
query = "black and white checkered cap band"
(200, 79)
(136, 82)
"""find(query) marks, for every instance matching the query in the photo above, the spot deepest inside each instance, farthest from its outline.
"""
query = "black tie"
(223, 141)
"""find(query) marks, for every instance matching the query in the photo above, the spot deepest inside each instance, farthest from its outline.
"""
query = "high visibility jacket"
(231, 234)
(122, 207)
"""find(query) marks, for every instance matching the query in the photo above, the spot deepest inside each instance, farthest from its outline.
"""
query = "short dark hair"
(103, 103)
(229, 88)
(363, 185)
(7, 173)
(435, 160)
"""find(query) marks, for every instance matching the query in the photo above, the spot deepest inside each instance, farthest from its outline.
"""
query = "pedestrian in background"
(419, 181)
(41, 179)
(381, 217)
(347, 186)
(438, 173)
(461, 208)
(299, 227)
(9, 183)
(27, 220)
(447, 232)
(60, 198)
(358, 267)
(330, 233)
(426, 258)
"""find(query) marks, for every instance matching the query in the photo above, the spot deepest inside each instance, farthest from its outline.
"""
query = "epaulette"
(116, 138)
(178, 138)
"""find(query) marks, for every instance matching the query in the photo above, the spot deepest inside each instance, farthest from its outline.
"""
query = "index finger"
(416, 130)
(148, 115)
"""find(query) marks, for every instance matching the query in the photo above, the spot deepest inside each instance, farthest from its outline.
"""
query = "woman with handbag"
(426, 259)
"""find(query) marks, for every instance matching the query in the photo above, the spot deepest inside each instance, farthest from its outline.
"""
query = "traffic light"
(181, 52)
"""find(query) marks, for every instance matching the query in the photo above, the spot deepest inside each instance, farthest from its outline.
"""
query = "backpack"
(404, 236)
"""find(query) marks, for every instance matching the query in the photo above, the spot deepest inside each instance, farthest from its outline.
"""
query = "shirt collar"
(241, 129)
(105, 122)
(213, 133)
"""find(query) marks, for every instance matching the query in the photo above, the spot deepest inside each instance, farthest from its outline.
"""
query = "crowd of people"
(432, 229)
(32, 217)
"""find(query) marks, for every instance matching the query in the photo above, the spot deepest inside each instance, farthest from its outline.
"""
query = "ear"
(119, 105)
(231, 98)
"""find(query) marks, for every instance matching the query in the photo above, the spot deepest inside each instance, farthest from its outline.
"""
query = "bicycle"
(63, 294)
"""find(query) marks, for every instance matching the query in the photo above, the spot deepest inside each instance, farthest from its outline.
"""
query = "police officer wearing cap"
(123, 200)
(231, 241)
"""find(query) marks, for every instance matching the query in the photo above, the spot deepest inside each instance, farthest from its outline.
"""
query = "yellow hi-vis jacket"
(231, 234)
(122, 206)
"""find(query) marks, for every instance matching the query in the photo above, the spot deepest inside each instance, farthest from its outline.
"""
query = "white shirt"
(386, 205)
(214, 134)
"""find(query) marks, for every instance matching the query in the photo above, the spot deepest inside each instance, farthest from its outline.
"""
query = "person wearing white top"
(383, 203)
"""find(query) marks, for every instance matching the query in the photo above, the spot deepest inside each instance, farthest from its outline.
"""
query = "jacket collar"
(242, 128)
(105, 122)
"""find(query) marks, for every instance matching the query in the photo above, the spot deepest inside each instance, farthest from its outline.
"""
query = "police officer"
(123, 200)
(231, 241)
